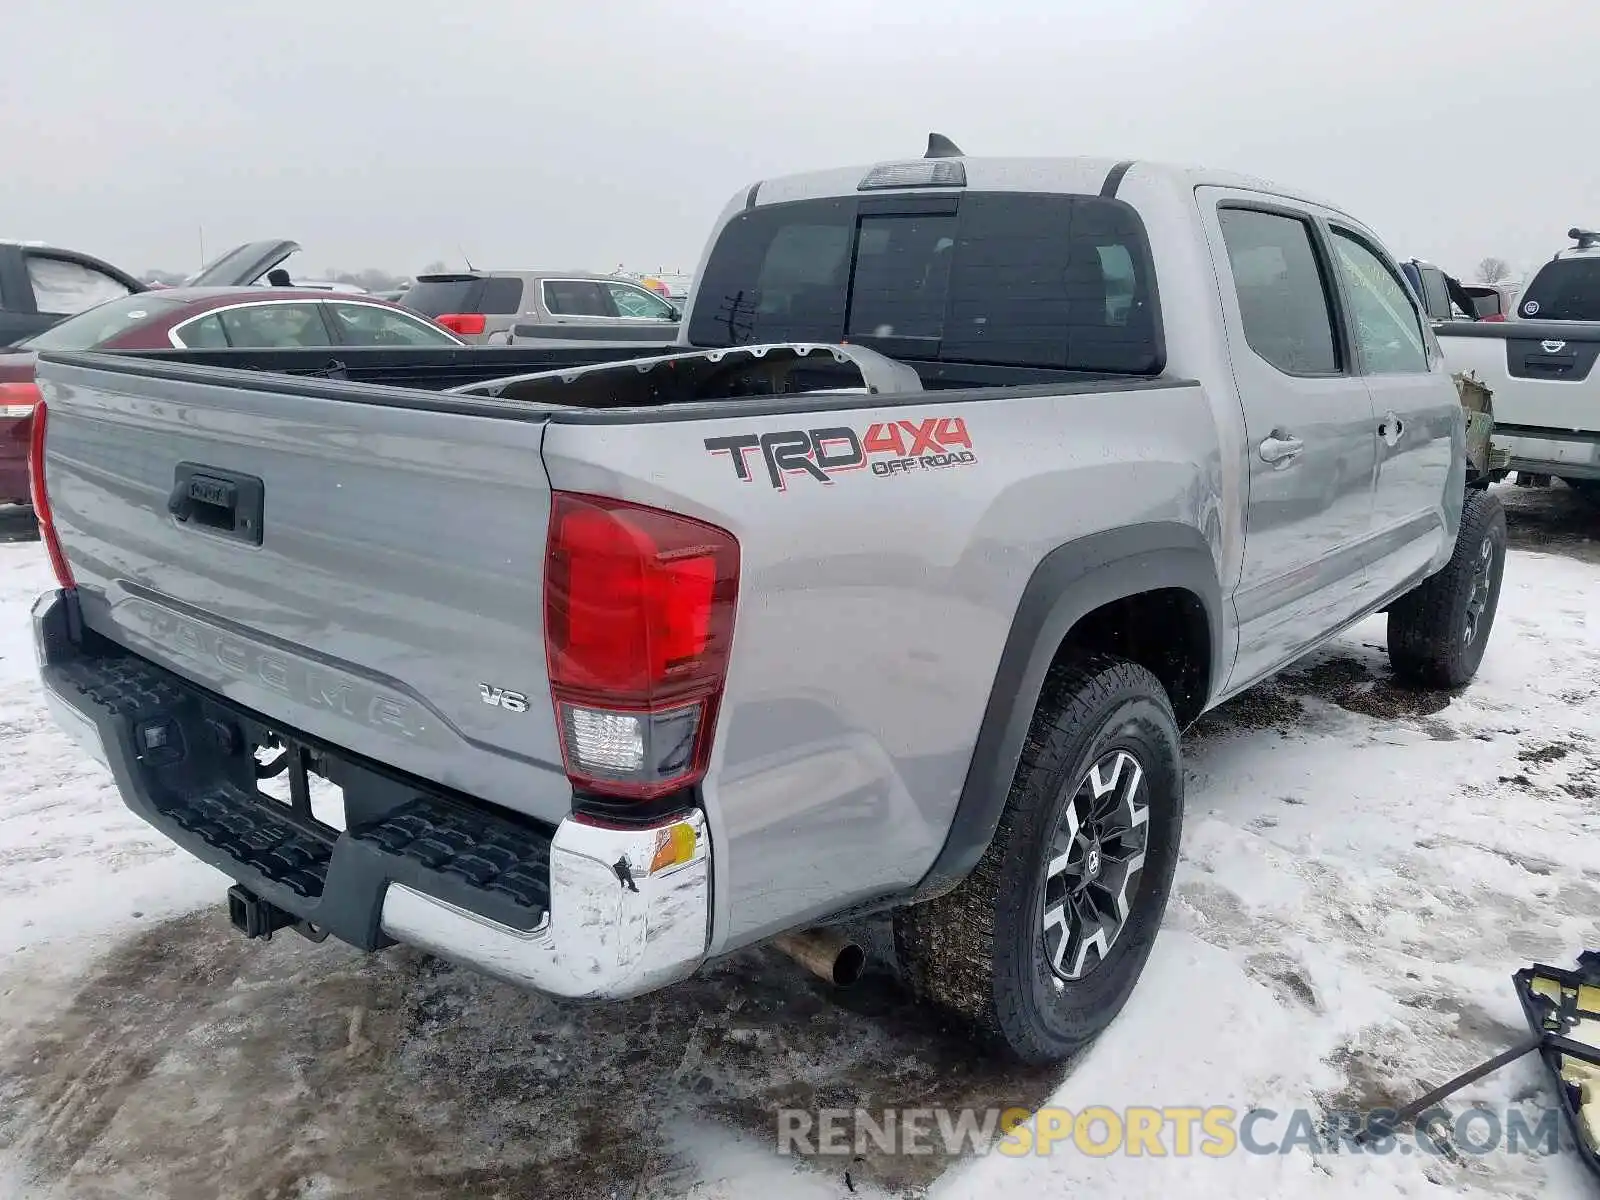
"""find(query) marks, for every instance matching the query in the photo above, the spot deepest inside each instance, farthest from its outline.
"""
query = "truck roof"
(1074, 175)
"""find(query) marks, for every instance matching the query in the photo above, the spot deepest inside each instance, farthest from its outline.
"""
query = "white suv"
(1567, 288)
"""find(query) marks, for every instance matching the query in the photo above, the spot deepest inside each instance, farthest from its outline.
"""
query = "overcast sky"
(388, 133)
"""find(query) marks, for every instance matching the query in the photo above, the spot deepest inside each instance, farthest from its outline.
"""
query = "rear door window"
(1005, 278)
(370, 325)
(276, 326)
(1284, 293)
(576, 298)
(1567, 289)
(63, 286)
(637, 304)
(206, 333)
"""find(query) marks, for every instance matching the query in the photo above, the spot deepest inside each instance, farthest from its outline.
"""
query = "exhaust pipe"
(828, 955)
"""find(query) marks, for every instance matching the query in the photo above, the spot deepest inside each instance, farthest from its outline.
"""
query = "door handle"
(1390, 429)
(1278, 448)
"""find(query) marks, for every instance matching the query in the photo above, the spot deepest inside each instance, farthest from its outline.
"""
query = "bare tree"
(1493, 270)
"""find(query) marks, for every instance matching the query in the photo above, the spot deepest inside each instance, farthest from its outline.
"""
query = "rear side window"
(369, 325)
(635, 303)
(1006, 278)
(1282, 290)
(203, 334)
(61, 285)
(576, 298)
(502, 296)
(275, 326)
(1567, 289)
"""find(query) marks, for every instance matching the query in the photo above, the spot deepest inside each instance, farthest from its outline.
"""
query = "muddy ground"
(188, 1056)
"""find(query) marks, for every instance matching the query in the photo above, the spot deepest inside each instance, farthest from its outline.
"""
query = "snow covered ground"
(1364, 868)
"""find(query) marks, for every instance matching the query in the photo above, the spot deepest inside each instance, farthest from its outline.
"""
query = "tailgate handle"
(1555, 364)
(224, 503)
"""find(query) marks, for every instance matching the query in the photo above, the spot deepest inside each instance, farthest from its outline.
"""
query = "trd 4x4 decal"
(888, 448)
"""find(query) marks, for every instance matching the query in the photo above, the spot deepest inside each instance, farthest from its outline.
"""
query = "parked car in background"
(40, 285)
(490, 307)
(1446, 298)
(198, 319)
(1542, 369)
(1567, 288)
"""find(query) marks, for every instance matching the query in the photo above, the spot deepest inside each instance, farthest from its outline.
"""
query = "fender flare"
(1069, 583)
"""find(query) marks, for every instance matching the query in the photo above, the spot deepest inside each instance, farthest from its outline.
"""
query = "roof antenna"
(940, 146)
(465, 259)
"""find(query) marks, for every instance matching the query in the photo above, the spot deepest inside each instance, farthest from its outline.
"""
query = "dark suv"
(40, 285)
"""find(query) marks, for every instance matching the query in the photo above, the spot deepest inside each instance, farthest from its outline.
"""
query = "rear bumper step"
(577, 911)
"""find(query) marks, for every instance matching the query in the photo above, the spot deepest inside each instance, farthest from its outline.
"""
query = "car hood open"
(243, 265)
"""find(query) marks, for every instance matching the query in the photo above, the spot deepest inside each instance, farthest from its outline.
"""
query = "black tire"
(1439, 630)
(979, 951)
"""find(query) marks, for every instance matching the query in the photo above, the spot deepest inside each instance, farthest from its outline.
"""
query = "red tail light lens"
(466, 324)
(41, 500)
(639, 607)
(18, 399)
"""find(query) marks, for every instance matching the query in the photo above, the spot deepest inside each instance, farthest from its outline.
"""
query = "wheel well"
(1165, 631)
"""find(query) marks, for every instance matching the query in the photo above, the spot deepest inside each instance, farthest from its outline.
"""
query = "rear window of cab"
(1012, 279)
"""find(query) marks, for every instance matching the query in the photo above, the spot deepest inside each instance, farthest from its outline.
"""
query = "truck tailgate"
(384, 577)
(1544, 375)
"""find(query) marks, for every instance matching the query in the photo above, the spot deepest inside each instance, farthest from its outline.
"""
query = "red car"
(198, 318)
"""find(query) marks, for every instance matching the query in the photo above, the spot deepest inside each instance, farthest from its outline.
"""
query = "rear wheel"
(1040, 946)
(1439, 630)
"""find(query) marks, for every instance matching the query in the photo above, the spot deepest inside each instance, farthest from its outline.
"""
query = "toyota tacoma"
(886, 591)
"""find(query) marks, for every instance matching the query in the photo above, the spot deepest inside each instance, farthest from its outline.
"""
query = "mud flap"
(1563, 1009)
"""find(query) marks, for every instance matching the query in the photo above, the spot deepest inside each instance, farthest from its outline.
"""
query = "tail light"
(41, 500)
(639, 607)
(18, 399)
(465, 324)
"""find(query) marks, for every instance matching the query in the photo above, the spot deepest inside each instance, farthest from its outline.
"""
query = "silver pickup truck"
(971, 483)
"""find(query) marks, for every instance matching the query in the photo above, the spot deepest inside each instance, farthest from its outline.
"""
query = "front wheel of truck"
(1040, 946)
(1439, 630)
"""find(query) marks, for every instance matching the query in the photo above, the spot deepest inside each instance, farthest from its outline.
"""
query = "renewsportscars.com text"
(1157, 1132)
